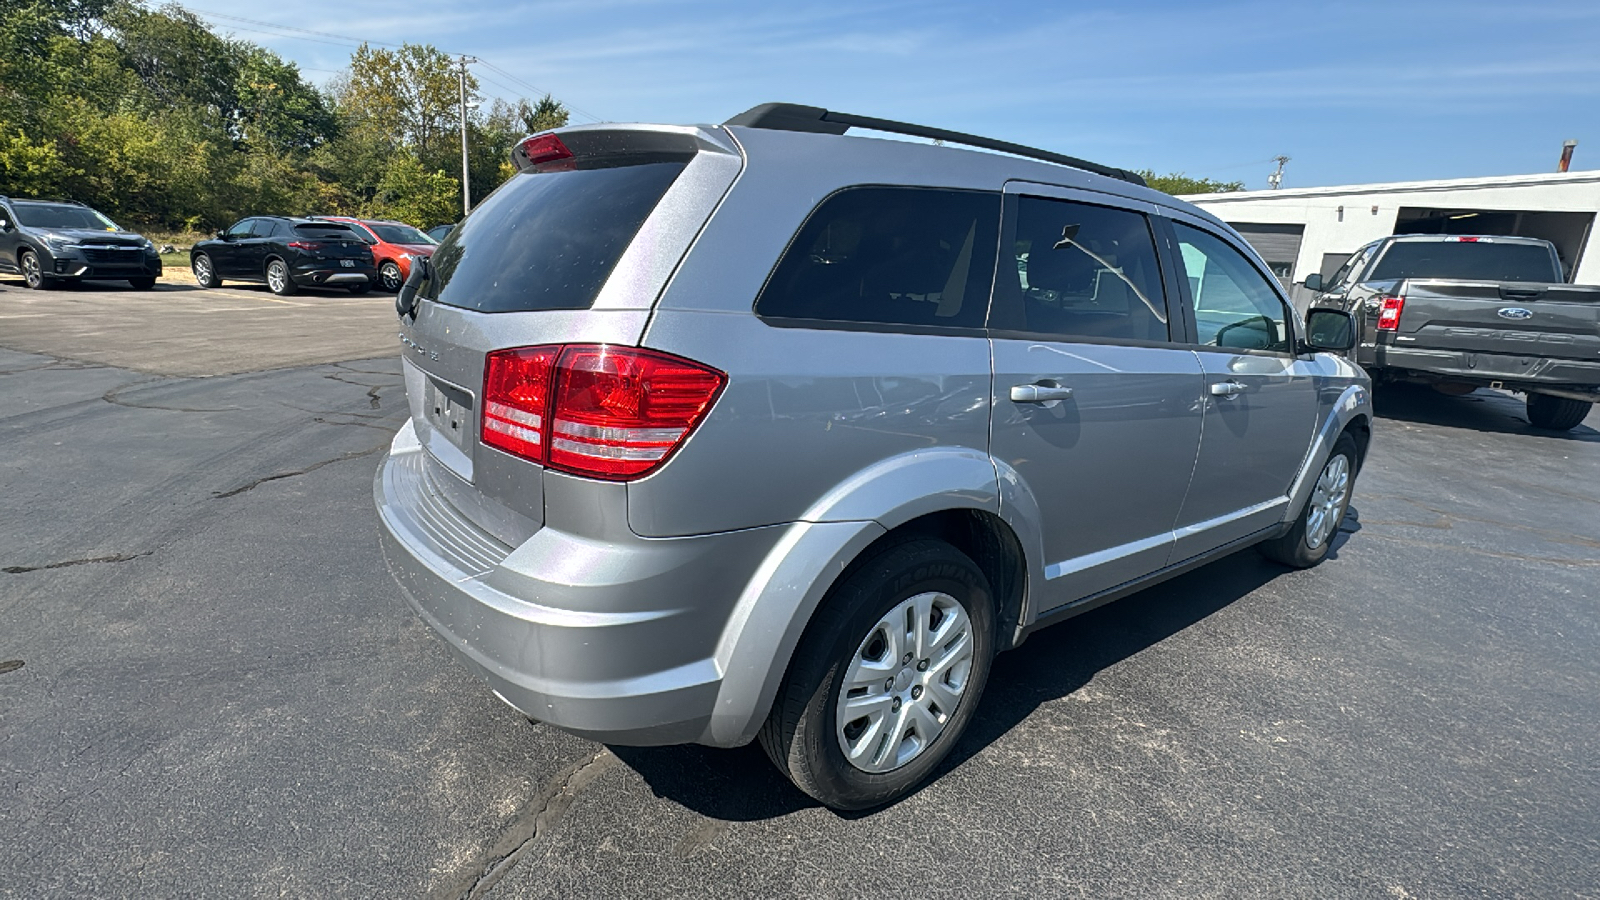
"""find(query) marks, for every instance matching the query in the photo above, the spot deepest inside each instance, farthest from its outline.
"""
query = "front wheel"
(205, 273)
(278, 280)
(1556, 413)
(886, 677)
(32, 273)
(389, 276)
(1308, 542)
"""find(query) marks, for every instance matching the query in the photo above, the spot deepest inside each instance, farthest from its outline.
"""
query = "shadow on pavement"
(742, 785)
(1483, 410)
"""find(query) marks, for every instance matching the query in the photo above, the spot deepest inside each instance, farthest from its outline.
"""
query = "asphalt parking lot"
(209, 686)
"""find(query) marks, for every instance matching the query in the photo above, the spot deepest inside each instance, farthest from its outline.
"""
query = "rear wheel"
(142, 284)
(32, 272)
(1308, 542)
(886, 677)
(205, 274)
(1556, 413)
(278, 280)
(389, 276)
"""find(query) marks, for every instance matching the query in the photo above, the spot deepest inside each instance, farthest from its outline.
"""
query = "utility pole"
(1566, 155)
(466, 189)
(1275, 180)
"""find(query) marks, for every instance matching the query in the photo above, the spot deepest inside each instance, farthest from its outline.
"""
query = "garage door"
(1279, 245)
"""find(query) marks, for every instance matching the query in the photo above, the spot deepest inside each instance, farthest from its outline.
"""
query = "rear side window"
(1076, 270)
(549, 239)
(893, 256)
(1467, 260)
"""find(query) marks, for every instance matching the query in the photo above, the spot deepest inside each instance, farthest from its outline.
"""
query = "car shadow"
(1485, 410)
(742, 785)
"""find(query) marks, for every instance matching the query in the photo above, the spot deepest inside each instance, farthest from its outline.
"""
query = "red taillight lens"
(542, 148)
(1389, 313)
(516, 399)
(607, 412)
(306, 245)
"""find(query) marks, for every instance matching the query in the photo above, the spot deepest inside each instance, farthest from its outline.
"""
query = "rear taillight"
(1389, 313)
(306, 245)
(606, 412)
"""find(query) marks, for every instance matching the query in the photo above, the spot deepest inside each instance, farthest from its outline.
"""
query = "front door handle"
(1227, 389)
(1039, 393)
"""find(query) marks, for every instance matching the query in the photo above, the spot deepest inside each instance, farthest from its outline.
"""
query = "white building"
(1300, 231)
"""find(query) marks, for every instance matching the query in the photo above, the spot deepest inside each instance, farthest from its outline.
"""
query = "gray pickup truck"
(1464, 312)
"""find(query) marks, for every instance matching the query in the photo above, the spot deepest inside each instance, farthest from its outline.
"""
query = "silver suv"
(762, 431)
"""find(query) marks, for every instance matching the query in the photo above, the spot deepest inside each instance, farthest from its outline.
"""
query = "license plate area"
(449, 410)
(347, 263)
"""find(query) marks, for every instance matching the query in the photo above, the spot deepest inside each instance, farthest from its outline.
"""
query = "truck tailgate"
(1560, 321)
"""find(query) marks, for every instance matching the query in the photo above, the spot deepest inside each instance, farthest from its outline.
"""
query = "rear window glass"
(327, 230)
(897, 256)
(1475, 260)
(1078, 270)
(547, 240)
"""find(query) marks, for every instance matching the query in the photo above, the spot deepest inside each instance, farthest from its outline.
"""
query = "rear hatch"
(1558, 321)
(574, 249)
(331, 241)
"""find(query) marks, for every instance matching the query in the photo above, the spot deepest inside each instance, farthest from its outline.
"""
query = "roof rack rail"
(795, 117)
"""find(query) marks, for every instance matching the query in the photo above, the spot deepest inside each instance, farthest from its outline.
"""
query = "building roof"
(1395, 187)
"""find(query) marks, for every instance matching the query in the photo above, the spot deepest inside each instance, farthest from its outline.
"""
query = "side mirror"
(405, 302)
(222, 235)
(1314, 281)
(4, 225)
(1331, 330)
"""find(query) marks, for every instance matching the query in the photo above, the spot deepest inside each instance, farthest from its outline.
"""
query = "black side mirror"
(405, 302)
(1314, 281)
(1331, 330)
(222, 235)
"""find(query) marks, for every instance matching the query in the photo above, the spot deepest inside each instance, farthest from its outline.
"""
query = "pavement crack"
(533, 822)
(114, 558)
(111, 396)
(353, 454)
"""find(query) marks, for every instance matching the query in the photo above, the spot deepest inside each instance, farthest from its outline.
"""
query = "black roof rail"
(814, 119)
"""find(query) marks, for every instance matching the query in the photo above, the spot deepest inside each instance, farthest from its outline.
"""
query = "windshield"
(53, 215)
(398, 234)
(1467, 261)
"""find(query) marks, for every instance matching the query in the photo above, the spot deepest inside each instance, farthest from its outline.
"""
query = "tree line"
(151, 117)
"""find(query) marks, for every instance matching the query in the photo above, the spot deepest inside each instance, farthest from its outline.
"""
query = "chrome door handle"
(1226, 389)
(1039, 393)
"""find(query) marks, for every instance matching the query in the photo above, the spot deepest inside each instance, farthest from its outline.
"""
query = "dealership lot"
(221, 693)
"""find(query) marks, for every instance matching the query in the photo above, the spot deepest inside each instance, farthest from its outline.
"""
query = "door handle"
(1227, 389)
(1039, 393)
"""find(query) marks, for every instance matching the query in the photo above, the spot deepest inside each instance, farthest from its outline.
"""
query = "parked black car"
(287, 254)
(49, 241)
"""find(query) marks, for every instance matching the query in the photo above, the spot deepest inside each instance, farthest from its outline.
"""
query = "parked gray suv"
(762, 431)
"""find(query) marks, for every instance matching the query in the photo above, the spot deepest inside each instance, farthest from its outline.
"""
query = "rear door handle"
(1039, 393)
(1227, 389)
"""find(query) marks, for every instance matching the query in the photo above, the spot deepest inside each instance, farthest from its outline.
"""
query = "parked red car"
(394, 245)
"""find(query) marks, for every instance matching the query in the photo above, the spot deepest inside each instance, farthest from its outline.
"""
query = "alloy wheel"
(389, 274)
(1327, 501)
(32, 275)
(202, 270)
(904, 682)
(277, 276)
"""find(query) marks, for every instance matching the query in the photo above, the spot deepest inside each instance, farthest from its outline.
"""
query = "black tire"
(205, 271)
(389, 277)
(801, 735)
(33, 271)
(359, 288)
(1297, 549)
(142, 284)
(279, 280)
(1557, 413)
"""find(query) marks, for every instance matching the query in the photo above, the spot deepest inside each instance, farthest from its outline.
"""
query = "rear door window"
(1076, 270)
(891, 256)
(549, 239)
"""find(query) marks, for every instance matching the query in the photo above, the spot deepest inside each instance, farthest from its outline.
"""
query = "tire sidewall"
(383, 279)
(210, 279)
(1304, 555)
(36, 281)
(910, 569)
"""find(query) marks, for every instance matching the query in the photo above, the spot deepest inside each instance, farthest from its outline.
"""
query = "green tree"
(1179, 183)
(411, 94)
(410, 193)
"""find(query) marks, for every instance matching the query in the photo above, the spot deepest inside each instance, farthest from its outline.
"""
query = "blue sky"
(1355, 92)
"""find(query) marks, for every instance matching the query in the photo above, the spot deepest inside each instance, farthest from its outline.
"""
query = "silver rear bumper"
(612, 640)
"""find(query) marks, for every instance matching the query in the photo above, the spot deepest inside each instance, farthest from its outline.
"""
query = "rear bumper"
(1511, 370)
(612, 640)
(321, 275)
